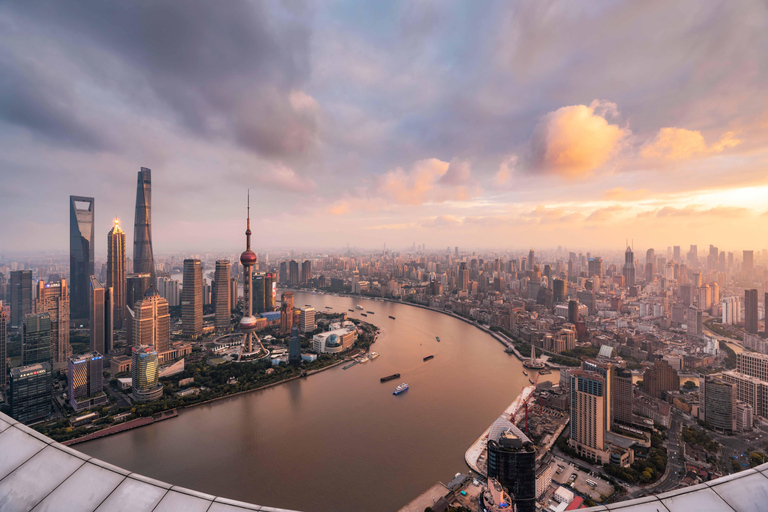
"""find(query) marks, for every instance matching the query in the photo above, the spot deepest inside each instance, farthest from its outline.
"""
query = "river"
(339, 440)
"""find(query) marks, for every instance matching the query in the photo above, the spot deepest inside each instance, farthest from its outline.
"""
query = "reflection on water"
(340, 440)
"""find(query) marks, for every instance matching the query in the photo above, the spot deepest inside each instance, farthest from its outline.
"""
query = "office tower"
(293, 271)
(21, 296)
(766, 309)
(233, 292)
(750, 311)
(693, 320)
(192, 299)
(4, 317)
(248, 259)
(660, 378)
(629, 267)
(719, 403)
(222, 307)
(31, 387)
(283, 272)
(753, 364)
(101, 317)
(169, 290)
(512, 461)
(307, 320)
(306, 272)
(621, 395)
(149, 322)
(573, 311)
(747, 264)
(588, 419)
(530, 259)
(355, 282)
(259, 292)
(81, 254)
(270, 288)
(286, 312)
(52, 298)
(705, 297)
(294, 346)
(606, 370)
(143, 258)
(650, 261)
(116, 272)
(86, 381)
(144, 374)
(463, 277)
(136, 285)
(595, 267)
(36, 339)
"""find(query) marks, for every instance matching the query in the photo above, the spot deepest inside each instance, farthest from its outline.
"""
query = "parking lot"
(578, 480)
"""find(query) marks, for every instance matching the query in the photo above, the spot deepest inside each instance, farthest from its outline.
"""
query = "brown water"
(339, 440)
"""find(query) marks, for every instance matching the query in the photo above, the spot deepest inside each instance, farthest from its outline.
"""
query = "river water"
(339, 440)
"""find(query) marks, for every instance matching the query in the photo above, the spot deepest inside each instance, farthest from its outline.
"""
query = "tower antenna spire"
(248, 229)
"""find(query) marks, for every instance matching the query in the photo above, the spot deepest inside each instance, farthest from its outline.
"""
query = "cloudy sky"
(507, 124)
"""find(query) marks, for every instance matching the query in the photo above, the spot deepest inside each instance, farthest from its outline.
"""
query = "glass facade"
(31, 392)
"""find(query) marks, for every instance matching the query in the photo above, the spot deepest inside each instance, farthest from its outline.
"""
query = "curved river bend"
(339, 440)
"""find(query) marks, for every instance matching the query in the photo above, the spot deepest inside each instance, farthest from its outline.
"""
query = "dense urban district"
(663, 372)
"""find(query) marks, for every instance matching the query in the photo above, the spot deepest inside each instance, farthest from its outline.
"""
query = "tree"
(689, 384)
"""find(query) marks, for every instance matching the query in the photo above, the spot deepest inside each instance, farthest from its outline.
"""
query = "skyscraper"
(294, 346)
(192, 299)
(144, 374)
(52, 298)
(588, 414)
(3, 344)
(222, 307)
(36, 339)
(750, 311)
(747, 263)
(248, 259)
(31, 387)
(101, 317)
(86, 381)
(116, 272)
(143, 258)
(629, 267)
(81, 253)
(719, 403)
(306, 272)
(270, 290)
(293, 271)
(21, 296)
(512, 461)
(286, 312)
(660, 378)
(621, 395)
(150, 322)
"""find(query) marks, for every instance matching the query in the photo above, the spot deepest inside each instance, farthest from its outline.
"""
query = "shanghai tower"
(143, 259)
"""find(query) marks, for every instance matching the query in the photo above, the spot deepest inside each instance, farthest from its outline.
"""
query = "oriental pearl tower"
(248, 259)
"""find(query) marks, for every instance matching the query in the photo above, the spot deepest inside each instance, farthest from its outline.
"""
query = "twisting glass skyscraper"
(143, 259)
(81, 254)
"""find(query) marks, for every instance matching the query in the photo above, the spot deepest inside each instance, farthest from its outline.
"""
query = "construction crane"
(525, 403)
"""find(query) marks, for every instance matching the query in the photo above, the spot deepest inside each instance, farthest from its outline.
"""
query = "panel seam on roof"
(113, 489)
(60, 483)
(27, 460)
(161, 498)
(723, 499)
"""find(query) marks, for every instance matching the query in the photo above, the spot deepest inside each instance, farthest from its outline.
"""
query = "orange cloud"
(678, 144)
(573, 141)
(622, 194)
(506, 168)
(605, 214)
(428, 180)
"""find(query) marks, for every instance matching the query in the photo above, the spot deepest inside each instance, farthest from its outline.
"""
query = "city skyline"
(443, 137)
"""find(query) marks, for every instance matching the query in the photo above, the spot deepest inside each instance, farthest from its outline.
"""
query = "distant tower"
(144, 374)
(629, 267)
(143, 259)
(21, 296)
(222, 307)
(192, 299)
(52, 298)
(3, 344)
(116, 272)
(36, 339)
(248, 259)
(81, 254)
(750, 311)
(530, 259)
(150, 322)
(101, 316)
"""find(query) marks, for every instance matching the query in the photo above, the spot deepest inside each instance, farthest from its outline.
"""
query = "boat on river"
(373, 355)
(437, 338)
(402, 388)
(358, 307)
(369, 312)
(363, 314)
(390, 377)
(390, 316)
(429, 357)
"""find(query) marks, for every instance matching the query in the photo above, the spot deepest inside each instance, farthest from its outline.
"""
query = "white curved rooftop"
(37, 473)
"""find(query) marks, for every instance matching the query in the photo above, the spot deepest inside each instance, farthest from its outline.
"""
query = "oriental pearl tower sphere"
(248, 259)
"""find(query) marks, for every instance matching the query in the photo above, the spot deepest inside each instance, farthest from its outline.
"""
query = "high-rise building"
(86, 381)
(101, 317)
(750, 311)
(169, 290)
(605, 369)
(36, 339)
(512, 461)
(747, 263)
(573, 311)
(143, 257)
(753, 364)
(719, 403)
(136, 285)
(116, 272)
(233, 292)
(306, 272)
(81, 254)
(650, 264)
(222, 307)
(293, 271)
(270, 289)
(192, 299)
(283, 271)
(52, 298)
(621, 395)
(588, 420)
(559, 289)
(149, 323)
(144, 374)
(294, 346)
(31, 387)
(595, 267)
(660, 378)
(21, 296)
(286, 312)
(307, 320)
(259, 292)
(355, 281)
(4, 317)
(629, 267)
(463, 276)
(530, 259)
